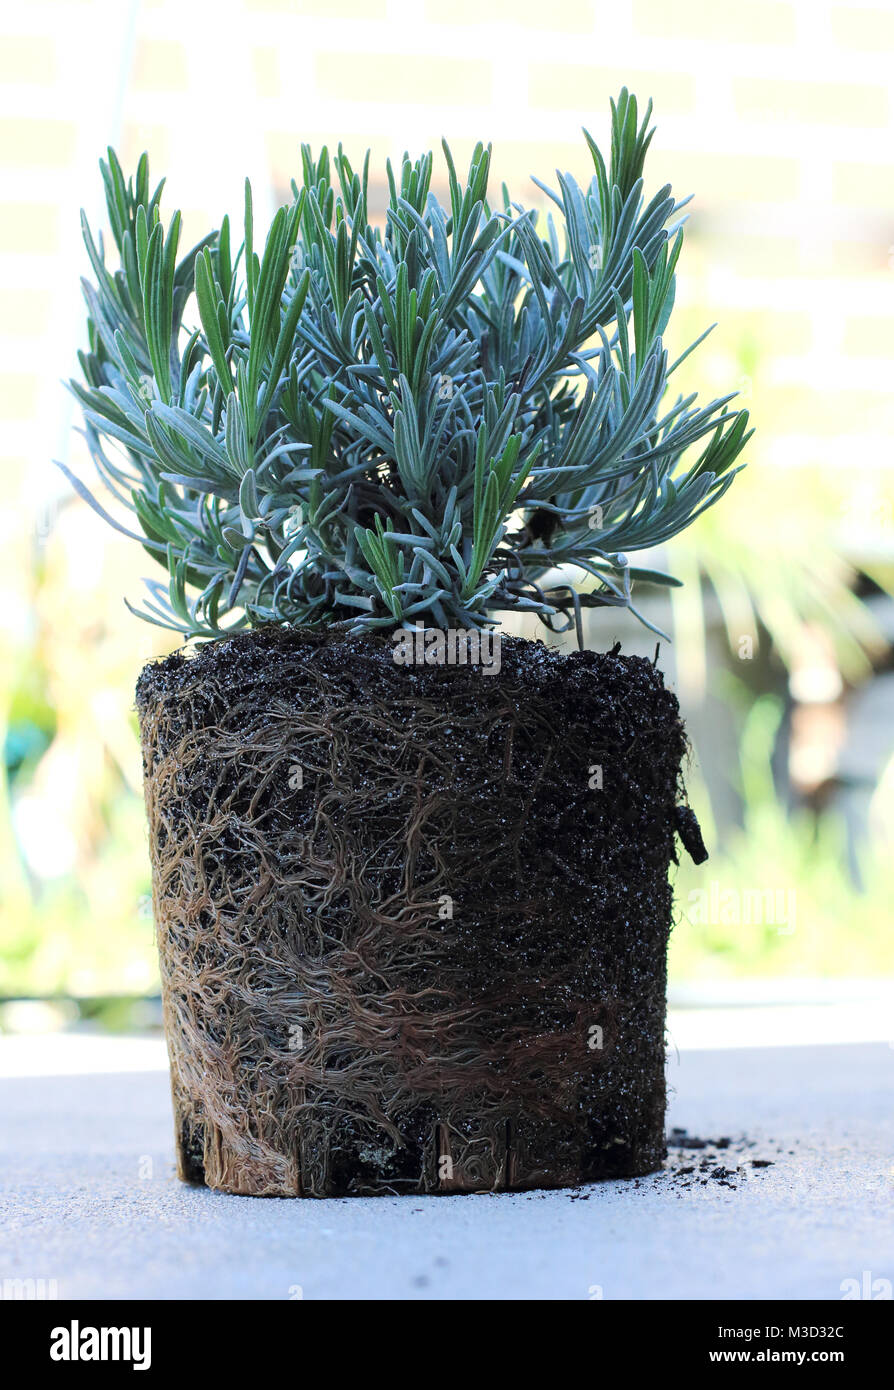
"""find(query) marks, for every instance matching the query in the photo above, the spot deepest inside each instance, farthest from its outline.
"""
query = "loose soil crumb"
(683, 1172)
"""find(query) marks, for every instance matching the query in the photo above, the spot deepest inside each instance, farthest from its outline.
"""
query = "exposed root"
(407, 942)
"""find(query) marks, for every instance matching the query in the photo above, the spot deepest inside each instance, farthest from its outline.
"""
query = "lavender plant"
(464, 412)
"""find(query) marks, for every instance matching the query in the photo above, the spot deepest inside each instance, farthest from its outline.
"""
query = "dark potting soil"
(698, 1162)
(693, 1163)
(412, 921)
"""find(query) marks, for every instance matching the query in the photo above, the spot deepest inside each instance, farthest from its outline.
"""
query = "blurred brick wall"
(777, 115)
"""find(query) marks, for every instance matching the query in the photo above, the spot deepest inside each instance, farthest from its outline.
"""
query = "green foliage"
(777, 896)
(461, 413)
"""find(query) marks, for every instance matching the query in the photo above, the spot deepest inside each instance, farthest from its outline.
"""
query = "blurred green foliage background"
(779, 118)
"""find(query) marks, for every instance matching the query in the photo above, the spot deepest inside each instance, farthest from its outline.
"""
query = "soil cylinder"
(412, 920)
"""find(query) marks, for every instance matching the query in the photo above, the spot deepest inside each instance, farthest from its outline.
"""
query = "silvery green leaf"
(355, 423)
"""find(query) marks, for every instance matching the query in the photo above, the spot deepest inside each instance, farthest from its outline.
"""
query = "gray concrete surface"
(88, 1198)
